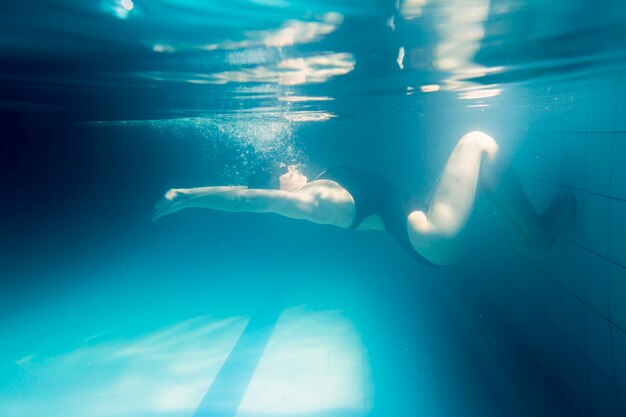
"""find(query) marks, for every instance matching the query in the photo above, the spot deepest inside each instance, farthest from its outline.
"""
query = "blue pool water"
(104, 105)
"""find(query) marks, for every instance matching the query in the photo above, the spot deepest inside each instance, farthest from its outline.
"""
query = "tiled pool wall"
(568, 305)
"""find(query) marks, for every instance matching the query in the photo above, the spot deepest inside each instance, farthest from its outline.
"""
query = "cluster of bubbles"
(243, 145)
(262, 146)
(237, 147)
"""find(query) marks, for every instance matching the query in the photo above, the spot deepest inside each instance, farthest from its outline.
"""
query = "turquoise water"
(105, 105)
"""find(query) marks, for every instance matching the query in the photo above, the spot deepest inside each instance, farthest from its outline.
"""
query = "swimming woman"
(352, 198)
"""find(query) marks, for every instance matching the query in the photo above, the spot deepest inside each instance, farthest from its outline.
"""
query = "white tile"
(618, 296)
(520, 282)
(536, 333)
(554, 304)
(619, 352)
(617, 12)
(621, 401)
(575, 231)
(143, 398)
(559, 120)
(595, 278)
(528, 159)
(551, 119)
(567, 266)
(617, 234)
(515, 317)
(551, 262)
(593, 215)
(602, 108)
(555, 345)
(603, 394)
(575, 373)
(523, 325)
(599, 351)
(296, 400)
(578, 107)
(356, 398)
(618, 176)
(620, 119)
(537, 292)
(598, 163)
(574, 321)
(369, 403)
(573, 154)
(551, 156)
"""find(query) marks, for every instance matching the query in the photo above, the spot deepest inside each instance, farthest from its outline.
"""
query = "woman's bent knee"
(485, 142)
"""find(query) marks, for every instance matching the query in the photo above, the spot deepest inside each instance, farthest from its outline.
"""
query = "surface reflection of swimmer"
(352, 198)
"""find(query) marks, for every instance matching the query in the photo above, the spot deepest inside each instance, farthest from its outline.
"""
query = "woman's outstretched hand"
(171, 202)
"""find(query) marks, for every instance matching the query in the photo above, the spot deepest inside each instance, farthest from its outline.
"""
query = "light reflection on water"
(168, 371)
(290, 71)
(360, 46)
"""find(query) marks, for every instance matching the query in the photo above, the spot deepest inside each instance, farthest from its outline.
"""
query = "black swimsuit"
(373, 194)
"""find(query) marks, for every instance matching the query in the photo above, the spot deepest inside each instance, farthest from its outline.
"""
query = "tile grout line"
(550, 368)
(610, 283)
(569, 291)
(572, 344)
(606, 258)
(609, 197)
(583, 354)
(586, 355)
